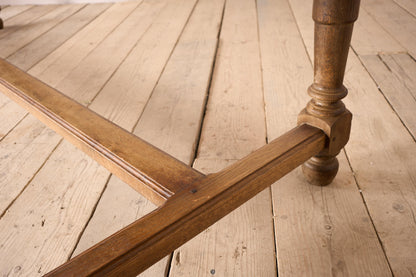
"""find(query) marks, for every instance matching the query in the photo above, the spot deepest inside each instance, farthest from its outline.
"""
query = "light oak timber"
(408, 5)
(385, 169)
(320, 231)
(86, 80)
(25, 18)
(10, 11)
(26, 34)
(15, 113)
(39, 48)
(74, 50)
(172, 117)
(395, 76)
(182, 88)
(238, 110)
(10, 115)
(29, 139)
(242, 243)
(136, 247)
(38, 231)
(370, 38)
(138, 72)
(403, 66)
(395, 20)
(87, 130)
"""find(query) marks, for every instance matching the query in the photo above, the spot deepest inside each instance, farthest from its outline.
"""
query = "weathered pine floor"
(209, 81)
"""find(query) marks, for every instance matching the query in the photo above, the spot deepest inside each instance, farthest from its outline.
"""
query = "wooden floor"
(209, 81)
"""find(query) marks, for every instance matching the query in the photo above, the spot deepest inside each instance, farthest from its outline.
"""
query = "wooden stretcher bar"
(122, 153)
(189, 201)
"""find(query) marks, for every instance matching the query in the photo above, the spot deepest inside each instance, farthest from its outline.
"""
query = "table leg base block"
(320, 170)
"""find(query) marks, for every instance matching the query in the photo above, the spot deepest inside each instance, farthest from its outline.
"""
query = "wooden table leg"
(334, 20)
(1, 22)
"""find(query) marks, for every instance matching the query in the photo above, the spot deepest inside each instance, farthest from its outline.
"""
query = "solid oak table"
(188, 200)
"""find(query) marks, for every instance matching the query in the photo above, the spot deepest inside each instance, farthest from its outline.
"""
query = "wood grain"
(370, 38)
(408, 5)
(241, 244)
(395, 76)
(74, 50)
(10, 115)
(25, 18)
(40, 47)
(136, 247)
(138, 72)
(85, 81)
(29, 32)
(184, 78)
(385, 169)
(88, 131)
(395, 20)
(44, 219)
(29, 139)
(10, 11)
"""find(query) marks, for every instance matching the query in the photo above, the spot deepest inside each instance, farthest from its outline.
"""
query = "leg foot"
(320, 170)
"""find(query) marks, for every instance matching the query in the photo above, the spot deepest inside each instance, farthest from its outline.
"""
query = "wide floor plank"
(241, 244)
(397, 21)
(29, 32)
(74, 50)
(370, 38)
(408, 5)
(381, 152)
(23, 19)
(10, 11)
(39, 48)
(395, 76)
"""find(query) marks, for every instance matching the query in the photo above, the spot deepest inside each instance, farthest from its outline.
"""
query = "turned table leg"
(334, 21)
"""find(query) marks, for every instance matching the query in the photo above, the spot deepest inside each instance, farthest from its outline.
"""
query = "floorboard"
(25, 18)
(10, 11)
(408, 5)
(395, 76)
(395, 20)
(241, 244)
(29, 32)
(27, 56)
